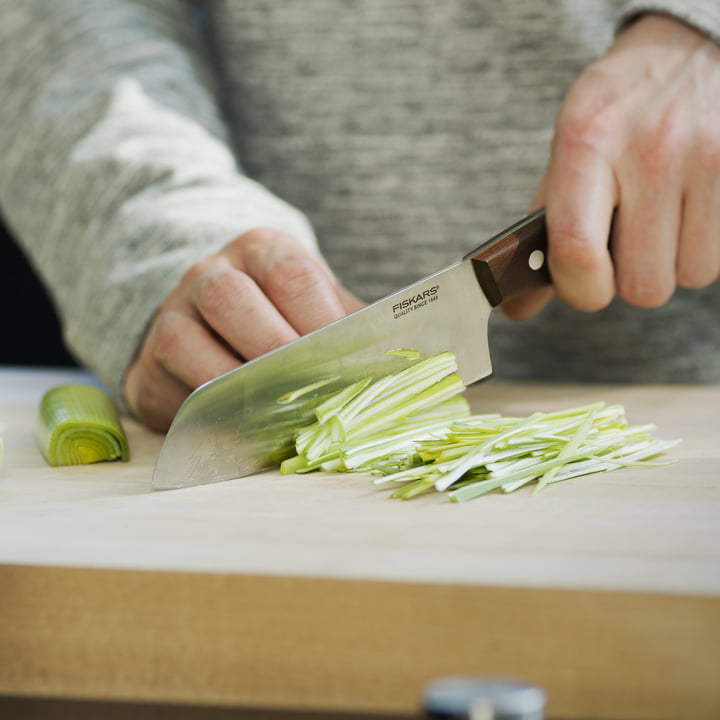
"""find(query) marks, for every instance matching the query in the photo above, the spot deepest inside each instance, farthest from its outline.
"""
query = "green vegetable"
(403, 352)
(381, 417)
(415, 429)
(479, 454)
(78, 425)
(295, 394)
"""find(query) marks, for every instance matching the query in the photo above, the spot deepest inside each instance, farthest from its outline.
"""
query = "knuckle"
(271, 341)
(292, 277)
(578, 127)
(197, 270)
(258, 235)
(256, 239)
(167, 336)
(707, 151)
(589, 115)
(570, 247)
(218, 291)
(659, 153)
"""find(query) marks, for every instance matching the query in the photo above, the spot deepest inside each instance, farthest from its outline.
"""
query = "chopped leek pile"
(414, 428)
(78, 425)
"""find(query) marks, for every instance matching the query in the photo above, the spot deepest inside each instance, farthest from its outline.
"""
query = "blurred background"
(30, 328)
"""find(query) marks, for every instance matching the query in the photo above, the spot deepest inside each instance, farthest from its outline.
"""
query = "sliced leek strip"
(79, 425)
(414, 428)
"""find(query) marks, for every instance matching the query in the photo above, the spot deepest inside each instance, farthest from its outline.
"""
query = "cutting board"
(319, 592)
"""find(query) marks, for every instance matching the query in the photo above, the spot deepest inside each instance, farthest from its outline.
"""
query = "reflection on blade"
(245, 421)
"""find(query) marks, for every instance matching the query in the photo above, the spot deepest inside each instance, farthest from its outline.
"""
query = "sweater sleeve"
(703, 15)
(115, 169)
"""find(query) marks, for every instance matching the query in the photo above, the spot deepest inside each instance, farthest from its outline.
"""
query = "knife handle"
(514, 261)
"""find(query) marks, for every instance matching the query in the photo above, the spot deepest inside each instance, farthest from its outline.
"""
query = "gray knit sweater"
(136, 136)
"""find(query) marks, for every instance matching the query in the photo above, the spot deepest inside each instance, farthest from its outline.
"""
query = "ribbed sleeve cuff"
(704, 15)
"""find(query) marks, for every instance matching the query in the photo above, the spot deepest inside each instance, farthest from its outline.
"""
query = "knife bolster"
(513, 262)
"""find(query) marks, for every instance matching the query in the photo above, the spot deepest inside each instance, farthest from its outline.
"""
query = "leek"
(413, 429)
(78, 425)
(380, 420)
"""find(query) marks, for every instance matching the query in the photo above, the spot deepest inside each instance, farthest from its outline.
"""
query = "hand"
(639, 131)
(257, 293)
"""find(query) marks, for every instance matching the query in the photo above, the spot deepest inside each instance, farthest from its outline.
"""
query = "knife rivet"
(536, 259)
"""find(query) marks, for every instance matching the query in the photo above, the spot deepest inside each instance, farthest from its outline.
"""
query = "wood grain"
(319, 593)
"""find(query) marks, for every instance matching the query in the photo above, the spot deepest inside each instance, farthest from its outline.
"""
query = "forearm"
(115, 174)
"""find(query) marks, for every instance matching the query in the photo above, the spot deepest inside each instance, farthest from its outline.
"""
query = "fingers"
(581, 193)
(350, 303)
(648, 224)
(264, 290)
(152, 394)
(665, 228)
(297, 282)
(698, 258)
(178, 355)
(259, 292)
(232, 304)
(188, 351)
(636, 140)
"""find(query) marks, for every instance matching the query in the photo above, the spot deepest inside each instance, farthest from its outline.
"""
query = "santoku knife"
(244, 421)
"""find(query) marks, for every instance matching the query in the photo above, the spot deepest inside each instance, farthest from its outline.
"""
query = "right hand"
(636, 156)
(262, 290)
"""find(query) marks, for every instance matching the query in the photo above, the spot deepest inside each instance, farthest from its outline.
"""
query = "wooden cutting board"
(319, 592)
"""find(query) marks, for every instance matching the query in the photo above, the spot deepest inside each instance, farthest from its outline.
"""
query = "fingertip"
(153, 396)
(697, 263)
(589, 303)
(645, 292)
(130, 389)
(349, 301)
(696, 277)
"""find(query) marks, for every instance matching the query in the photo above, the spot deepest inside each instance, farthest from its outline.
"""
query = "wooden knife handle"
(514, 261)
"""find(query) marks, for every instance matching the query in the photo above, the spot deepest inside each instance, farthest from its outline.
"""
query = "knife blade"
(244, 421)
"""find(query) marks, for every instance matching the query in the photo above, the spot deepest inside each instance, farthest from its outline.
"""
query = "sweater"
(392, 136)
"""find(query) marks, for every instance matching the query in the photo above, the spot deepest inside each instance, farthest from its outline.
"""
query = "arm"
(637, 135)
(116, 177)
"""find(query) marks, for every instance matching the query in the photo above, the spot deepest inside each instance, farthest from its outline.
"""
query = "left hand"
(260, 291)
(639, 132)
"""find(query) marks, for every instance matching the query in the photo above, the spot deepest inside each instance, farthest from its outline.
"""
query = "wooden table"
(318, 593)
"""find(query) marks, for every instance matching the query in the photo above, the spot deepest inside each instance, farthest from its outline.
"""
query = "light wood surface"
(317, 592)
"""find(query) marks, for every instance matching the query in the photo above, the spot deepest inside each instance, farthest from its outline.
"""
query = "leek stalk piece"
(79, 425)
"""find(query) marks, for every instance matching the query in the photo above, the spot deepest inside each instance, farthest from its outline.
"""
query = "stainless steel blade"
(237, 424)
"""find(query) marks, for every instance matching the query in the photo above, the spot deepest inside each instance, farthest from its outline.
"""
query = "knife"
(244, 421)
